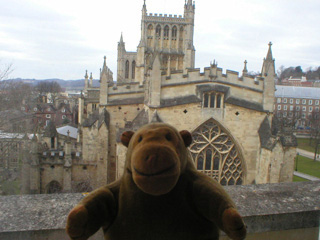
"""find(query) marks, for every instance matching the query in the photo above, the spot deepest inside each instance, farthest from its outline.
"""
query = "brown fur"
(160, 196)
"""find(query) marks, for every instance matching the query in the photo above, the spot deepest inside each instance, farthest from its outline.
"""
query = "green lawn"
(299, 179)
(303, 143)
(308, 166)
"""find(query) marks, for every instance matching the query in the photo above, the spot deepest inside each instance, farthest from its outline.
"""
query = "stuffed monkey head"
(156, 156)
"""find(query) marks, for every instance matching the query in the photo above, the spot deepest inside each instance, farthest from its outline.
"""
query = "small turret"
(120, 61)
(144, 8)
(268, 73)
(189, 8)
(245, 70)
(268, 63)
(86, 81)
(91, 80)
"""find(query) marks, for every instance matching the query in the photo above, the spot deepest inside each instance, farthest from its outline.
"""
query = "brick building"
(299, 103)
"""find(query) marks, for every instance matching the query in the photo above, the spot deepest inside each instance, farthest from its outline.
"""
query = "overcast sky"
(63, 38)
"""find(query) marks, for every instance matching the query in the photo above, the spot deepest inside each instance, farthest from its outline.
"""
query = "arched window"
(53, 187)
(174, 32)
(166, 32)
(150, 35)
(216, 154)
(158, 31)
(133, 65)
(150, 28)
(181, 34)
(127, 70)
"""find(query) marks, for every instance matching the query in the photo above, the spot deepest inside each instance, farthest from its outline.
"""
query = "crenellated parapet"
(216, 75)
(165, 18)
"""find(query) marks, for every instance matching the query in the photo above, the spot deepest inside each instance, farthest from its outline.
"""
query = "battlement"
(214, 74)
(270, 211)
(165, 18)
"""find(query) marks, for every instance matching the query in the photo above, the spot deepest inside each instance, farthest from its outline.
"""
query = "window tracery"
(216, 155)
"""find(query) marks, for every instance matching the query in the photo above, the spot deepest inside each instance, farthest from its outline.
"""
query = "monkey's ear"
(186, 136)
(126, 137)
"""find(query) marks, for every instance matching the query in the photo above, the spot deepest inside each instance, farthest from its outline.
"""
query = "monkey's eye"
(140, 139)
(168, 137)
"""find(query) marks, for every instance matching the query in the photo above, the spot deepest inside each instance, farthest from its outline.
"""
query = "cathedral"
(229, 114)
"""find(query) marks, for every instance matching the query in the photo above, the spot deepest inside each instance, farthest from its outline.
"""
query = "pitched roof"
(297, 92)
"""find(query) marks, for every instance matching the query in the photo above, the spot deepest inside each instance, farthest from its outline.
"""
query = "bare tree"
(13, 93)
(5, 71)
(314, 123)
(286, 120)
(45, 87)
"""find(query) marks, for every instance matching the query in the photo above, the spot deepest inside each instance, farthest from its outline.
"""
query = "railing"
(271, 211)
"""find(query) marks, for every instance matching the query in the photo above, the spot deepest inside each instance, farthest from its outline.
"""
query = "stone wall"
(270, 211)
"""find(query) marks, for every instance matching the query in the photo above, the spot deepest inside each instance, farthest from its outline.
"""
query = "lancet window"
(127, 70)
(158, 31)
(150, 35)
(181, 33)
(133, 65)
(215, 154)
(166, 32)
(174, 32)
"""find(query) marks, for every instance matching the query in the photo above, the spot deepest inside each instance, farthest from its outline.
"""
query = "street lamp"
(297, 158)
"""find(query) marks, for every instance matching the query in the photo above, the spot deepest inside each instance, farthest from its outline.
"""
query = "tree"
(45, 87)
(279, 72)
(12, 94)
(5, 71)
(314, 123)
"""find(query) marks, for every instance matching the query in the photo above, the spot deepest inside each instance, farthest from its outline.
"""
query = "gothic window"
(150, 28)
(215, 154)
(174, 32)
(127, 70)
(181, 32)
(133, 69)
(212, 100)
(150, 35)
(166, 32)
(158, 31)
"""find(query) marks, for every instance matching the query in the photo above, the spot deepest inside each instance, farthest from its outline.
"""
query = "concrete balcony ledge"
(271, 211)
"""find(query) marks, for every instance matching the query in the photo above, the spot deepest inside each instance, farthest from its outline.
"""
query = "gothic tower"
(169, 35)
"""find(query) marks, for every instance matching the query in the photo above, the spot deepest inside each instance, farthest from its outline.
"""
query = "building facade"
(300, 104)
(229, 114)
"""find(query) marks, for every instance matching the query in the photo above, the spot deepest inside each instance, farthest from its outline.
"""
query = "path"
(307, 154)
(305, 176)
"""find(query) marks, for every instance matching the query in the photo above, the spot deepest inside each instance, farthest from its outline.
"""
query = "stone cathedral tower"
(169, 35)
(229, 115)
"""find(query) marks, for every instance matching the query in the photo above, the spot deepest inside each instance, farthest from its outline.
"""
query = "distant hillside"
(67, 84)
